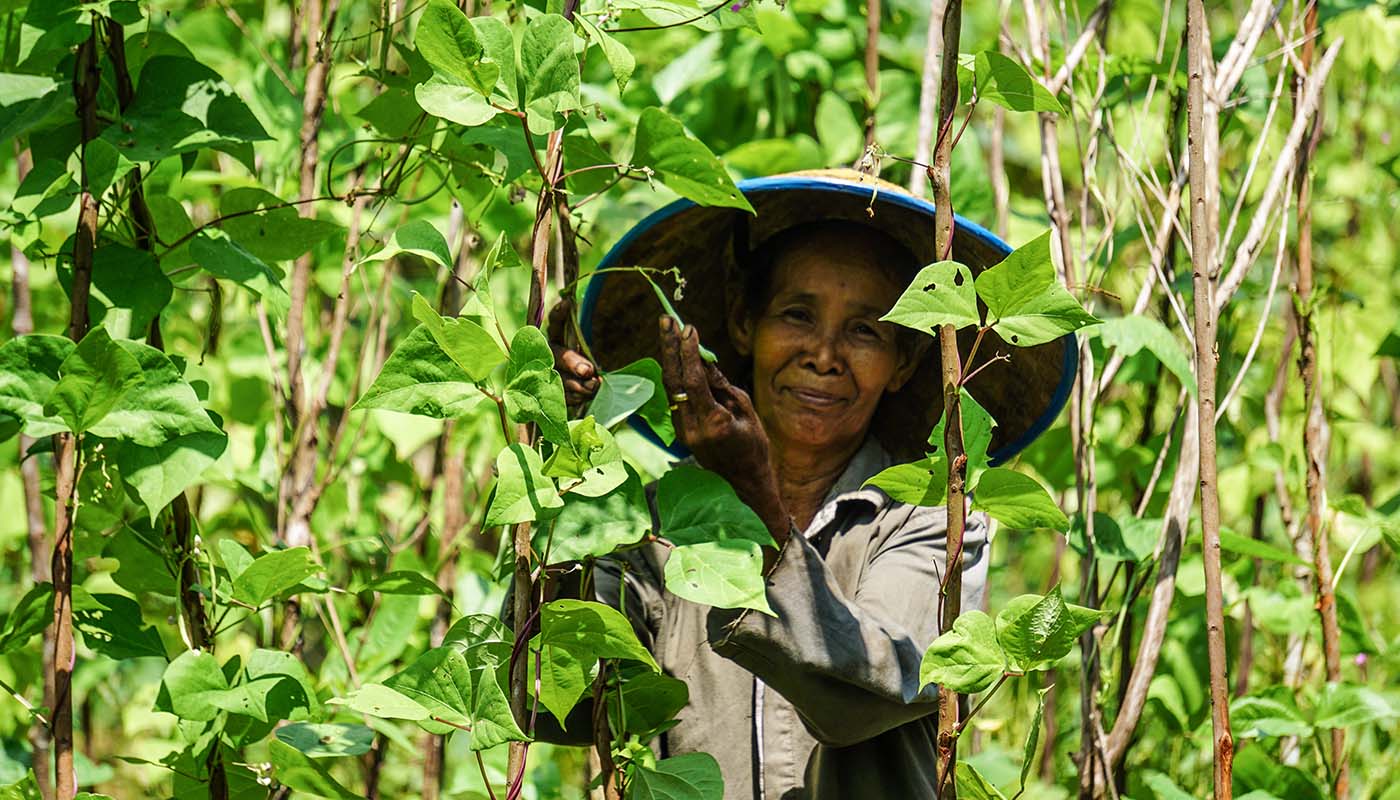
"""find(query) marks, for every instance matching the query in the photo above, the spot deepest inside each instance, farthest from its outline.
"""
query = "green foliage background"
(214, 128)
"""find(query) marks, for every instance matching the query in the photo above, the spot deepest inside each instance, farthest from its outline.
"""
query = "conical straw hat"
(620, 309)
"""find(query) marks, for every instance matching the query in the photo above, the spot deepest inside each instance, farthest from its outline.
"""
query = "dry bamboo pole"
(1202, 139)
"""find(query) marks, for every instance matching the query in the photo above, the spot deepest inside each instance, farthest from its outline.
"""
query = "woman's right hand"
(579, 374)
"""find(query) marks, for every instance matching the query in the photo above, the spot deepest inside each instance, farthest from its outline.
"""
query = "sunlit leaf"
(465, 342)
(966, 659)
(523, 492)
(1003, 81)
(941, 294)
(693, 776)
(1017, 500)
(684, 163)
(96, 376)
(419, 378)
(1035, 632)
(727, 573)
(1130, 335)
(1026, 304)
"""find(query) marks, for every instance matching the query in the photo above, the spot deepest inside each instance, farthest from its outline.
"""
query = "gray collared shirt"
(822, 701)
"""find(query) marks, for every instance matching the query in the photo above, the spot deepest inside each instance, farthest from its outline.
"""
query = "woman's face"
(822, 359)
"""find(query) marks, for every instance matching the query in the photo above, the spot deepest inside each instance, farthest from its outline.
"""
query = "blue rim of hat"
(782, 183)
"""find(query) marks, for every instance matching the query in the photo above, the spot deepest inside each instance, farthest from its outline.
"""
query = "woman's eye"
(866, 330)
(795, 314)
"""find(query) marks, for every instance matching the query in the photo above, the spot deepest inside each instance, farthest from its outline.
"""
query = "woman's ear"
(909, 359)
(740, 326)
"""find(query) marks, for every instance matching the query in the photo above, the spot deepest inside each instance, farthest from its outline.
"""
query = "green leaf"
(972, 785)
(499, 44)
(1254, 548)
(453, 102)
(838, 130)
(619, 58)
(977, 425)
(403, 582)
(941, 294)
(534, 391)
(698, 506)
(1031, 751)
(1346, 705)
(160, 474)
(449, 42)
(465, 342)
(161, 408)
(619, 396)
(381, 701)
(26, 788)
(650, 700)
(457, 684)
(29, 617)
(1017, 500)
(1006, 83)
(920, 483)
(683, 163)
(592, 631)
(327, 740)
(724, 574)
(294, 769)
(280, 683)
(269, 228)
(111, 624)
(1115, 543)
(693, 776)
(550, 69)
(564, 677)
(181, 106)
(127, 291)
(190, 684)
(656, 411)
(274, 573)
(523, 493)
(223, 257)
(420, 238)
(966, 659)
(419, 378)
(1130, 335)
(1026, 304)
(1036, 631)
(143, 556)
(92, 380)
(1260, 717)
(1163, 786)
(28, 372)
(595, 526)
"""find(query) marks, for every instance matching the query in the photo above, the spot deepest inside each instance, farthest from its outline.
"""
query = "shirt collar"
(868, 461)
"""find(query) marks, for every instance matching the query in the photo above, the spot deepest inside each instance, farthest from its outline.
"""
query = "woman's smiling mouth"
(814, 398)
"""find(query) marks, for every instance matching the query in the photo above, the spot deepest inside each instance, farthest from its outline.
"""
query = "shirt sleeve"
(849, 664)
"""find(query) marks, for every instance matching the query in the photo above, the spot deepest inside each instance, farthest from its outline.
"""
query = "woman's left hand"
(717, 421)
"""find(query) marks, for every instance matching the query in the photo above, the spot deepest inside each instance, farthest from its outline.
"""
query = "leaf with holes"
(1026, 304)
(941, 294)
(724, 574)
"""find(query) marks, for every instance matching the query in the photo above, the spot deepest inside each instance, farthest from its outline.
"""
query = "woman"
(824, 699)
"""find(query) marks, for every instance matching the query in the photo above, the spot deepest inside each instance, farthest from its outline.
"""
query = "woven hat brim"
(618, 316)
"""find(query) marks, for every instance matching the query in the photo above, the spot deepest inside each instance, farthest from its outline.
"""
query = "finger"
(723, 391)
(673, 377)
(583, 388)
(694, 378)
(576, 364)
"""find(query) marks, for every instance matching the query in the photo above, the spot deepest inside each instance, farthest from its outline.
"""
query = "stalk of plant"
(67, 447)
(181, 521)
(950, 592)
(1314, 428)
(1201, 138)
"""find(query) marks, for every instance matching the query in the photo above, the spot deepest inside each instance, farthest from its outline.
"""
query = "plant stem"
(950, 592)
(1201, 140)
(872, 70)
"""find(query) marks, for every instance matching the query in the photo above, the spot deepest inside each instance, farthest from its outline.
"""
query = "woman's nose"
(823, 354)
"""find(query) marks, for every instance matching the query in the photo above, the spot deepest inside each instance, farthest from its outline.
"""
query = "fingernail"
(667, 323)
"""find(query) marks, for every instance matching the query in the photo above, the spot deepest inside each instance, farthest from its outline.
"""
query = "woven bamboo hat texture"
(620, 309)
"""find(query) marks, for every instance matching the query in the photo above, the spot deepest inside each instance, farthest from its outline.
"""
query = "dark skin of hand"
(717, 422)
